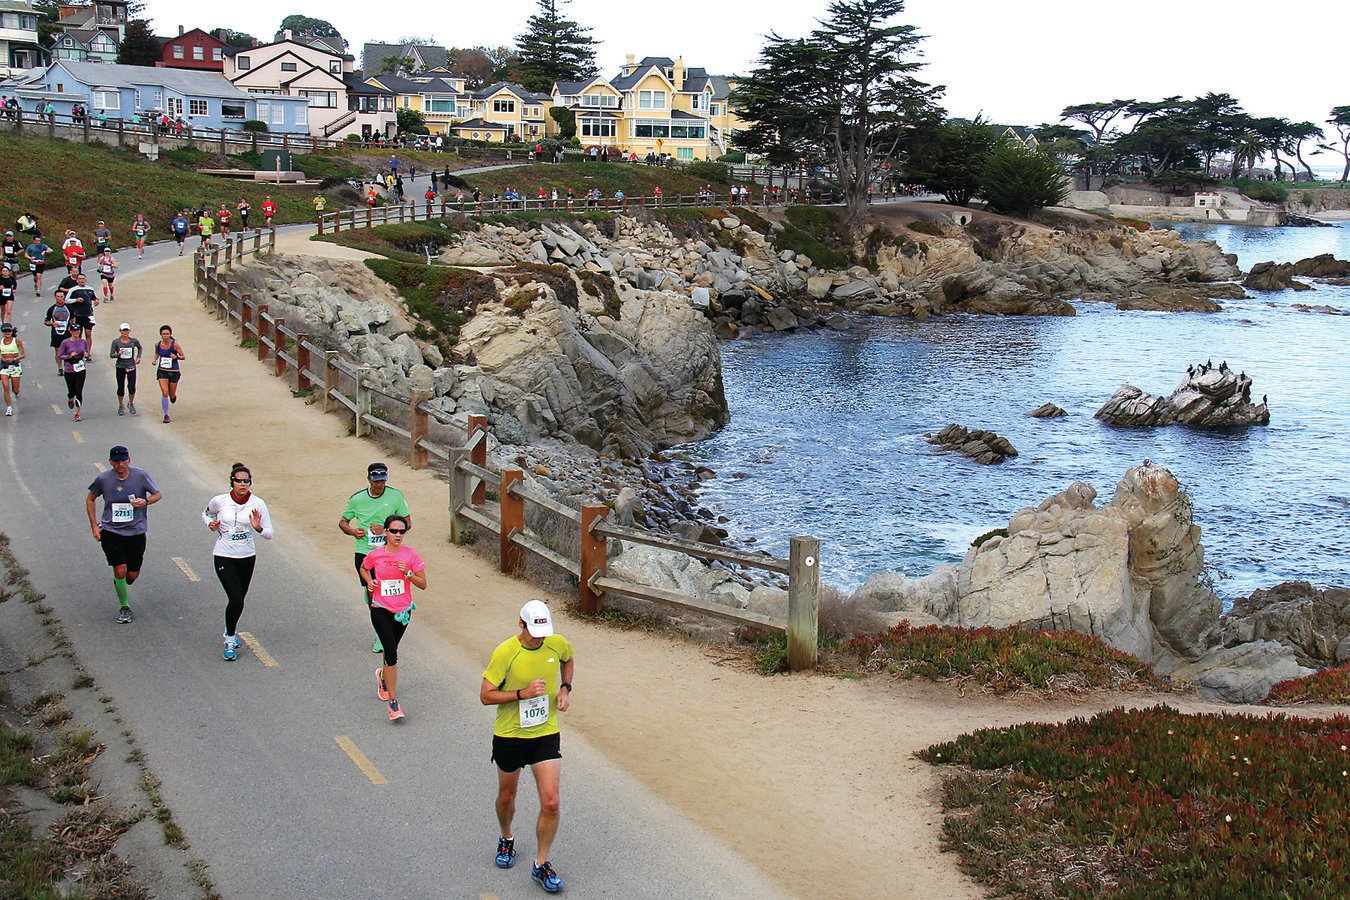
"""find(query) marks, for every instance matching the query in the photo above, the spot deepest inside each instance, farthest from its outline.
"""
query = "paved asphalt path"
(249, 754)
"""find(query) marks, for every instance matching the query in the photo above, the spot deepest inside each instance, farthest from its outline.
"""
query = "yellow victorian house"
(655, 106)
(504, 111)
(438, 94)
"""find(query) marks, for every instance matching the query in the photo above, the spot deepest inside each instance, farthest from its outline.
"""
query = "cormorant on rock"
(1223, 366)
(1242, 375)
(1209, 365)
(1264, 401)
(1190, 370)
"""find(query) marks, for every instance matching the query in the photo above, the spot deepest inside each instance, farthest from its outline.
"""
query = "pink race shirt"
(393, 590)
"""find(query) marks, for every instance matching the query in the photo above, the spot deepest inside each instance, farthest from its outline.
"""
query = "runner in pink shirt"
(390, 573)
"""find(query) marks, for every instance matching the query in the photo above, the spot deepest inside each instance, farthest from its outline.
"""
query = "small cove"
(828, 428)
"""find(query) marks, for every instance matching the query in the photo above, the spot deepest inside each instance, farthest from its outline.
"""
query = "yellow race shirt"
(514, 667)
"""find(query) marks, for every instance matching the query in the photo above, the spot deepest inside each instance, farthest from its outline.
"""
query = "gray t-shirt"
(119, 516)
(125, 354)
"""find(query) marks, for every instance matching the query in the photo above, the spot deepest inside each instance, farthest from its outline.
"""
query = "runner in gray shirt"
(127, 351)
(127, 493)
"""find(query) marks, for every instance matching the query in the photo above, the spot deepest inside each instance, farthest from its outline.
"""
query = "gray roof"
(373, 55)
(520, 91)
(401, 85)
(568, 88)
(183, 81)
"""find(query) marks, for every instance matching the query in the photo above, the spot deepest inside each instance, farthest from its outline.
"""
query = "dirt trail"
(810, 777)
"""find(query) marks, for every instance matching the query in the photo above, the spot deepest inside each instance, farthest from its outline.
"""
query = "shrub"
(1263, 191)
(932, 229)
(814, 231)
(709, 171)
(732, 156)
(441, 296)
(353, 139)
(1018, 181)
(1003, 659)
(601, 286)
(1326, 686)
(1152, 804)
(254, 125)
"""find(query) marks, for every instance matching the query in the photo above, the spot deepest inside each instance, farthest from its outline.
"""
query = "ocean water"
(827, 429)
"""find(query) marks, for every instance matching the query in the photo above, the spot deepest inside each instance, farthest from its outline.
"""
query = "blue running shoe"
(231, 648)
(506, 853)
(546, 878)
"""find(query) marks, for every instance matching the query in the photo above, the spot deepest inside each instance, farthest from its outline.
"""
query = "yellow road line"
(263, 656)
(77, 437)
(187, 570)
(56, 409)
(366, 766)
(98, 467)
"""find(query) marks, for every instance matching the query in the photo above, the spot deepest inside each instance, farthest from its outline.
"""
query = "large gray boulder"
(1314, 624)
(1244, 673)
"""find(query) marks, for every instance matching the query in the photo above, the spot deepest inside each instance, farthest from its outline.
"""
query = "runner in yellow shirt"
(529, 680)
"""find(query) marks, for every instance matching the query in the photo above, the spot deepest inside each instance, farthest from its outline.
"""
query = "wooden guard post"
(478, 456)
(302, 379)
(330, 379)
(417, 428)
(803, 602)
(593, 556)
(278, 347)
(258, 331)
(512, 519)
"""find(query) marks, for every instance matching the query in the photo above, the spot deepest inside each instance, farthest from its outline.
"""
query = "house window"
(324, 99)
(177, 51)
(716, 109)
(335, 67)
(136, 94)
(159, 99)
(438, 106)
(232, 109)
(696, 101)
(475, 135)
(503, 106)
(199, 53)
(684, 152)
(264, 110)
(288, 67)
(598, 128)
(301, 116)
(175, 107)
(387, 104)
(217, 55)
(279, 113)
(197, 108)
(534, 112)
(107, 100)
(242, 63)
(651, 99)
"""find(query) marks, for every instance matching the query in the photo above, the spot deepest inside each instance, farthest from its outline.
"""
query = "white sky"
(1018, 61)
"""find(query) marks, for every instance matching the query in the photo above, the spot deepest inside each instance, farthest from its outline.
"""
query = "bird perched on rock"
(1223, 366)
(1209, 365)
(1264, 400)
(1190, 370)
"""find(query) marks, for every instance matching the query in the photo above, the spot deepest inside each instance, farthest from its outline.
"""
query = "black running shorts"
(123, 549)
(512, 754)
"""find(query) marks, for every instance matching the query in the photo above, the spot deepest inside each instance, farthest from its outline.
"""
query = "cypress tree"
(554, 49)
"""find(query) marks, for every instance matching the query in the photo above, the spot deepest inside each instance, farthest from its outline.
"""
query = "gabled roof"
(721, 87)
(357, 85)
(373, 55)
(191, 31)
(627, 82)
(567, 88)
(182, 81)
(400, 85)
(512, 88)
(481, 125)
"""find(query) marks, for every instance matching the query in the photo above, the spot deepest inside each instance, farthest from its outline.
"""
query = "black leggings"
(126, 382)
(235, 576)
(75, 386)
(390, 632)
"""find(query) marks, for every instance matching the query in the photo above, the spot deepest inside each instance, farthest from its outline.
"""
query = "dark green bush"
(709, 171)
(254, 125)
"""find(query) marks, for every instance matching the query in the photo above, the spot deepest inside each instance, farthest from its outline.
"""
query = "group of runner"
(528, 677)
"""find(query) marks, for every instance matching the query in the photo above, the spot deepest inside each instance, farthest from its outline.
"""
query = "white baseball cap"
(125, 326)
(538, 620)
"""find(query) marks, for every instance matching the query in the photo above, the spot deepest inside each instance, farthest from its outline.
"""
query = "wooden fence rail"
(423, 430)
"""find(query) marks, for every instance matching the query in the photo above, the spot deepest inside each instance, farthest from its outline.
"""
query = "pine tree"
(138, 47)
(554, 49)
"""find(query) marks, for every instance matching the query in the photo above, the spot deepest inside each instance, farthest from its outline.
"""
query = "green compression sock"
(120, 585)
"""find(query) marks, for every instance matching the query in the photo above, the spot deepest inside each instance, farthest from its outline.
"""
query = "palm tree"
(1249, 147)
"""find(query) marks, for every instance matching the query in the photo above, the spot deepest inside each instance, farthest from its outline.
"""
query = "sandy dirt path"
(811, 778)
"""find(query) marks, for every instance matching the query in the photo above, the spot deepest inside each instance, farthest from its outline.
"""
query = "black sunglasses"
(396, 531)
(242, 480)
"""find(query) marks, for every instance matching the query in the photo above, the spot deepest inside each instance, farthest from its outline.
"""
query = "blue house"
(134, 93)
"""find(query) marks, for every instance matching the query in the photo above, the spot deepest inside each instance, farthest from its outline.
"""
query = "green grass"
(72, 185)
(816, 232)
(633, 180)
(443, 298)
(1152, 803)
(1001, 659)
(1326, 686)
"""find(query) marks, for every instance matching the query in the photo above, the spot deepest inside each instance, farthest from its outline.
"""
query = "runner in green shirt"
(529, 680)
(364, 518)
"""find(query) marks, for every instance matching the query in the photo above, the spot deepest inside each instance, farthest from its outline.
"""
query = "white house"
(19, 47)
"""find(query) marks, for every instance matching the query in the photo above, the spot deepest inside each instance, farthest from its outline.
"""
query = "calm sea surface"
(828, 428)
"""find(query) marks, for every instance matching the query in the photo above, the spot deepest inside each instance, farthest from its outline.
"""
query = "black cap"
(6, 327)
(118, 453)
(377, 471)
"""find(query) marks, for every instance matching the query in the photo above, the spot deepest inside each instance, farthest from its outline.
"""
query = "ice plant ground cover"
(1153, 803)
(1001, 659)
(1326, 686)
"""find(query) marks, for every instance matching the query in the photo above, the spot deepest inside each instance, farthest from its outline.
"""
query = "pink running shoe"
(381, 690)
(395, 713)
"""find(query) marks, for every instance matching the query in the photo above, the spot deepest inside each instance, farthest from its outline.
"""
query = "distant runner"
(58, 319)
(102, 237)
(36, 254)
(236, 517)
(74, 356)
(72, 248)
(9, 289)
(107, 273)
(269, 209)
(529, 680)
(11, 250)
(180, 226)
(168, 355)
(363, 519)
(244, 209)
(390, 573)
(140, 228)
(81, 299)
(127, 351)
(127, 493)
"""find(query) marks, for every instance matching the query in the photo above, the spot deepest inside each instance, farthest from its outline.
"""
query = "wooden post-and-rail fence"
(425, 431)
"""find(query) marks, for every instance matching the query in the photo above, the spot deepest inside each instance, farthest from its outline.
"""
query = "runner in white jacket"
(236, 517)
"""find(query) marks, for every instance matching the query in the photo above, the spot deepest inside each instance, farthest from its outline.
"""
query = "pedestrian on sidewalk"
(363, 518)
(529, 680)
(74, 356)
(127, 494)
(390, 573)
(236, 517)
(127, 351)
(168, 371)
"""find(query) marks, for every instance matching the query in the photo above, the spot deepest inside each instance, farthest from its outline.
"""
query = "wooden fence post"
(479, 454)
(278, 347)
(302, 379)
(370, 212)
(330, 379)
(594, 556)
(257, 240)
(803, 602)
(320, 224)
(363, 403)
(215, 256)
(272, 240)
(512, 519)
(229, 252)
(245, 316)
(259, 323)
(459, 494)
(417, 428)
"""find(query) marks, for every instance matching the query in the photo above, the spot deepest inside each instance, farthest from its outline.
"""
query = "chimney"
(679, 73)
(287, 35)
(180, 30)
(632, 61)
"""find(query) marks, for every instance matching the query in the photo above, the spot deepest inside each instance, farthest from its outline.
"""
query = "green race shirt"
(514, 667)
(363, 510)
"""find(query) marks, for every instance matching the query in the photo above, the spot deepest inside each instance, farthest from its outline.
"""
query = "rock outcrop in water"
(1212, 397)
(1129, 572)
(984, 447)
(1048, 411)
(1272, 276)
